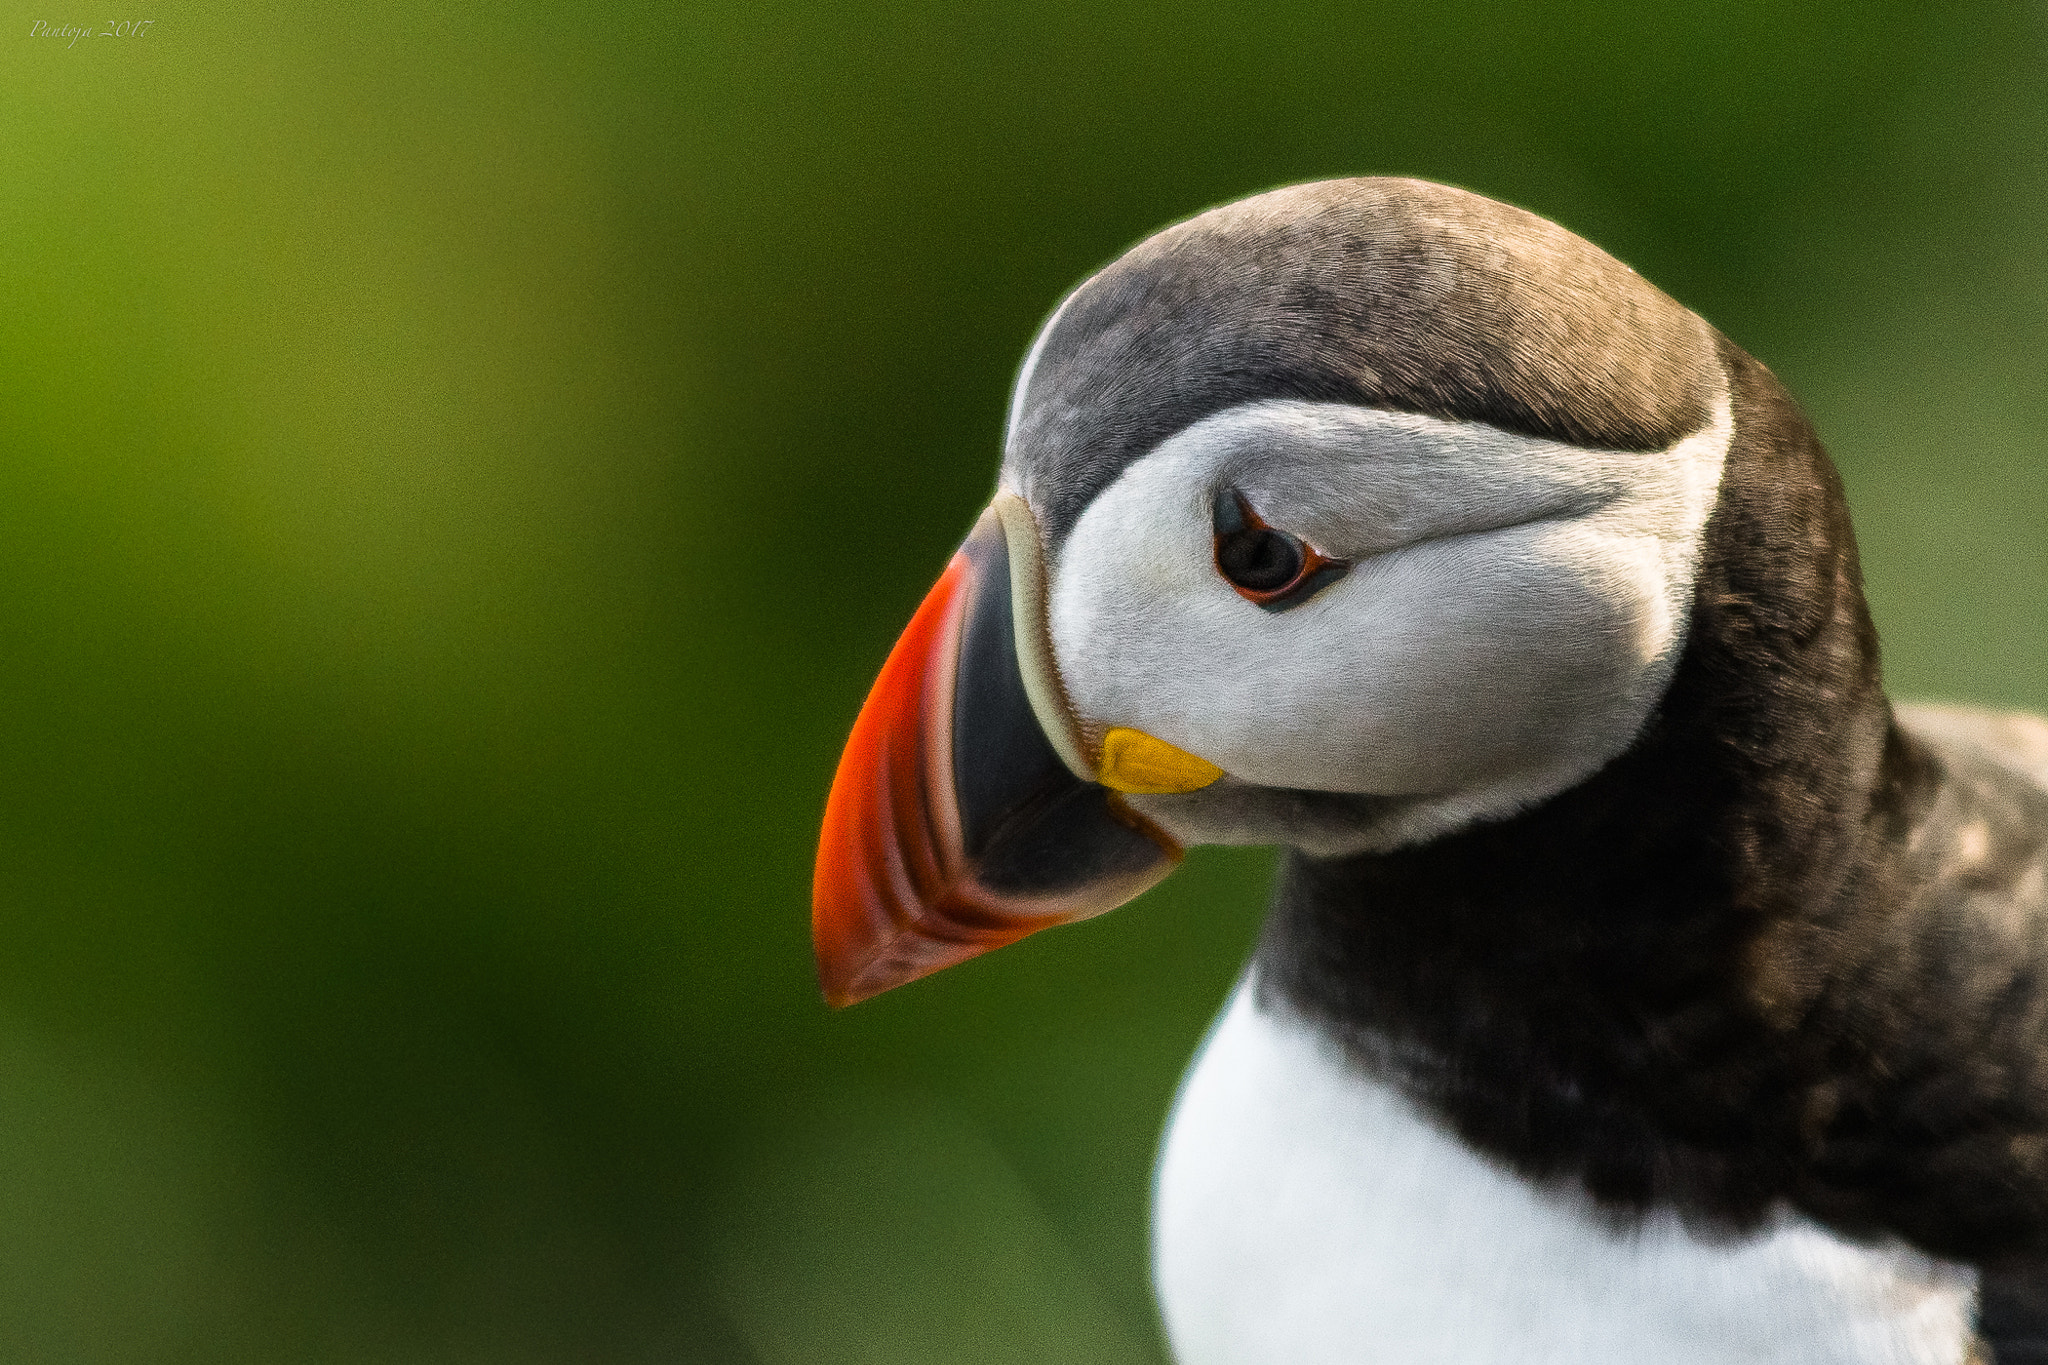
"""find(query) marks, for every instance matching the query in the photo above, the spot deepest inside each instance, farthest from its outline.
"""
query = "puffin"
(1639, 986)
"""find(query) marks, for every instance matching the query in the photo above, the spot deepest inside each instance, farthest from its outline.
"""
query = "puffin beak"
(966, 812)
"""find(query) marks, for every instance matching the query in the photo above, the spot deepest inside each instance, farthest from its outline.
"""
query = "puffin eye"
(1266, 565)
(1262, 560)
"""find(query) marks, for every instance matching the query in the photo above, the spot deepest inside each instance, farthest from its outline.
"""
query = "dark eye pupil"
(1259, 559)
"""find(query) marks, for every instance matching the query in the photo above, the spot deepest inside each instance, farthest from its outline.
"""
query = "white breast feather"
(1309, 1215)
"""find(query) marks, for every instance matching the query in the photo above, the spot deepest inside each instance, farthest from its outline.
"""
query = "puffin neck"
(1604, 986)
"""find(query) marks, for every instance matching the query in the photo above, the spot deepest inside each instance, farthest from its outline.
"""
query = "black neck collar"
(1631, 985)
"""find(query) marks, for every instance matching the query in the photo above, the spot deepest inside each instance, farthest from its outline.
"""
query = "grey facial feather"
(1381, 292)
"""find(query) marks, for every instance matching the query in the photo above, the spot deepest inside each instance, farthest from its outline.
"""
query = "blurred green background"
(460, 468)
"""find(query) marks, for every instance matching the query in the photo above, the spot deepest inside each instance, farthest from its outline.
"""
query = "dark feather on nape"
(2012, 1315)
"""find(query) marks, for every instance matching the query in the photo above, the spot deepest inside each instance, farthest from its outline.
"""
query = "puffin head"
(1342, 517)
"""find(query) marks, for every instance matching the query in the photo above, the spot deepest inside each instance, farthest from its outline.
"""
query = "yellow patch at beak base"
(1133, 761)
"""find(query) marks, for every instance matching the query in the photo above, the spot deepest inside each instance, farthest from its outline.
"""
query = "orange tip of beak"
(921, 866)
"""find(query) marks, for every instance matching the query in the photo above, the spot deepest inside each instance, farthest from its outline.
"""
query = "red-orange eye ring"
(1271, 568)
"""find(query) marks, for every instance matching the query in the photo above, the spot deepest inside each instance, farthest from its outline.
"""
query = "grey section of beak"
(1028, 825)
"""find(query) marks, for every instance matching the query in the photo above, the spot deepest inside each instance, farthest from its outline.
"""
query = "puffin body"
(1638, 986)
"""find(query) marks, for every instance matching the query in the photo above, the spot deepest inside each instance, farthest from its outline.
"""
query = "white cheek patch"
(1513, 612)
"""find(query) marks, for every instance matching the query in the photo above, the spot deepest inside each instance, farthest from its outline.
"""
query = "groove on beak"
(954, 824)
